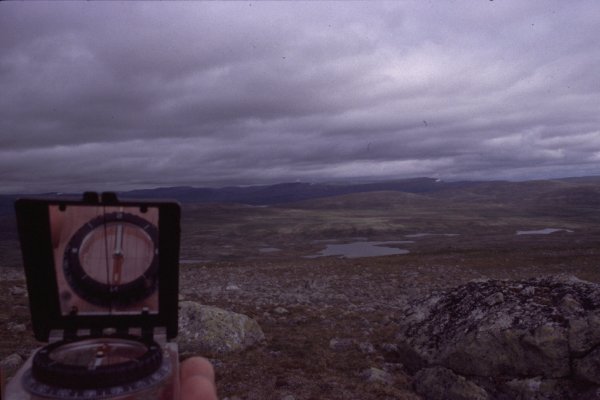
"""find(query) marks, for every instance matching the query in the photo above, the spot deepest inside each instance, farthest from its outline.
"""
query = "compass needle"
(118, 256)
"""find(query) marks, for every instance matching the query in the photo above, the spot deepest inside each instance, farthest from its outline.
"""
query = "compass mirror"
(100, 262)
(105, 258)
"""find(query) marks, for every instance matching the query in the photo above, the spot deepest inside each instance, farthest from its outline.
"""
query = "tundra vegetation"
(384, 327)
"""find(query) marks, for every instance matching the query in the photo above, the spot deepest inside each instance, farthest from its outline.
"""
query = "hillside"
(235, 223)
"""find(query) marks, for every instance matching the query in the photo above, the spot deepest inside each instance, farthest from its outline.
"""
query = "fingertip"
(197, 366)
(198, 387)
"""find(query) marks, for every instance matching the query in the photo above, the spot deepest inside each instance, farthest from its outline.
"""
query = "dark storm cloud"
(119, 95)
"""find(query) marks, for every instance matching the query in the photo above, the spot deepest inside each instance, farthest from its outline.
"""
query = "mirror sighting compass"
(102, 276)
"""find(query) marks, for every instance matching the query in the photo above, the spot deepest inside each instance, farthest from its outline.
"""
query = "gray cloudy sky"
(115, 96)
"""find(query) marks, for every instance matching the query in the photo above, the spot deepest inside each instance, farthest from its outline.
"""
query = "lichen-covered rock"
(439, 383)
(11, 363)
(543, 328)
(210, 330)
(510, 352)
(588, 367)
(538, 389)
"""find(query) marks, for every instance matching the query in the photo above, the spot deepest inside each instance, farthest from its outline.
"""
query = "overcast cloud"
(97, 96)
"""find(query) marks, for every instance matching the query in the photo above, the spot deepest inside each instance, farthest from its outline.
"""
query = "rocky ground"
(330, 325)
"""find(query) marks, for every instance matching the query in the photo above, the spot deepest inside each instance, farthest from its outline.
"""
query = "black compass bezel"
(103, 294)
(51, 372)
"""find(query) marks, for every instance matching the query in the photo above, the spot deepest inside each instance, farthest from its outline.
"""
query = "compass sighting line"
(106, 257)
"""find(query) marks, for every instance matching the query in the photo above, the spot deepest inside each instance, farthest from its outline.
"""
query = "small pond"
(269, 250)
(361, 249)
(420, 235)
(545, 231)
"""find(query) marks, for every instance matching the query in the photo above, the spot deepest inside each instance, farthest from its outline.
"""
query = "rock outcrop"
(439, 383)
(11, 363)
(210, 331)
(530, 339)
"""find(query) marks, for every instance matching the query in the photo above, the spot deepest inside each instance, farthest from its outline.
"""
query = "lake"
(361, 249)
(545, 231)
(269, 250)
(421, 235)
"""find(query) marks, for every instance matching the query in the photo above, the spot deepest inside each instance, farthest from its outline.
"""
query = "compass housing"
(47, 273)
(134, 357)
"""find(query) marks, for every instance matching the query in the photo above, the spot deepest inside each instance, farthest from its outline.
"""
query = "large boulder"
(211, 331)
(545, 329)
(439, 383)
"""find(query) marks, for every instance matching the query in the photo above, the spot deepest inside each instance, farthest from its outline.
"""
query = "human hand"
(197, 379)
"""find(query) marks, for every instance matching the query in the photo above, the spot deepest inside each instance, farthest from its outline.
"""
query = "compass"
(101, 368)
(103, 292)
(112, 260)
(98, 366)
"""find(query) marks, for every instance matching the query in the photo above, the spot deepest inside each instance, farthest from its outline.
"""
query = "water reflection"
(361, 249)
(420, 235)
(269, 250)
(545, 231)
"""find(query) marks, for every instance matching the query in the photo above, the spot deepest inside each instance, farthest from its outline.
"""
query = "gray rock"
(11, 363)
(366, 348)
(469, 330)
(570, 306)
(17, 291)
(376, 375)
(439, 383)
(389, 347)
(537, 389)
(393, 367)
(341, 344)
(513, 352)
(211, 330)
(494, 299)
(410, 358)
(584, 331)
(588, 367)
(281, 311)
(528, 291)
(543, 330)
(16, 328)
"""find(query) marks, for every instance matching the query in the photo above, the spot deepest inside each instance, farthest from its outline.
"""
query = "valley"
(267, 261)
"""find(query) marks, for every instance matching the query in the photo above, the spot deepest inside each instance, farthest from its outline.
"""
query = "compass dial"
(112, 260)
(95, 367)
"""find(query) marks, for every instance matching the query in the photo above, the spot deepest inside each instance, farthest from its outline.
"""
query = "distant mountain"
(7, 204)
(283, 192)
(584, 191)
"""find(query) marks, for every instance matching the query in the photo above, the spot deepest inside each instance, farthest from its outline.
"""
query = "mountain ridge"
(587, 189)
